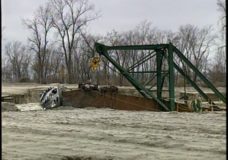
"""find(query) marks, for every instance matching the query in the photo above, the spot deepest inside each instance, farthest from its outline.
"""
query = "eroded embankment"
(127, 98)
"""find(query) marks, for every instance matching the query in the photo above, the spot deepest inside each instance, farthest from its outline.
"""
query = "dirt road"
(105, 134)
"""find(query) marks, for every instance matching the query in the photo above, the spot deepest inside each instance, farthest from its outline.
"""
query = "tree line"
(59, 47)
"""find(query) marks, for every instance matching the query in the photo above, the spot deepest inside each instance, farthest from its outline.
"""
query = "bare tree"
(195, 43)
(217, 71)
(6, 70)
(18, 61)
(222, 8)
(68, 17)
(40, 26)
(54, 65)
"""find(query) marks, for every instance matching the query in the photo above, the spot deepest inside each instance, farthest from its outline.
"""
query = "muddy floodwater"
(106, 134)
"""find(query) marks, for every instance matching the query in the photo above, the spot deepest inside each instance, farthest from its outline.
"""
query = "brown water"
(96, 134)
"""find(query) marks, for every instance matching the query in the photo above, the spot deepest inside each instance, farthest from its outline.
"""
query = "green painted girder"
(199, 74)
(141, 61)
(159, 58)
(102, 49)
(138, 47)
(192, 83)
(171, 78)
(150, 80)
(146, 71)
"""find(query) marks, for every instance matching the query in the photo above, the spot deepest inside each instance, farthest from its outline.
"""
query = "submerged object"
(50, 98)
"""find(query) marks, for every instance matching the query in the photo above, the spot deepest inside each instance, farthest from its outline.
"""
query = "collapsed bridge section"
(164, 54)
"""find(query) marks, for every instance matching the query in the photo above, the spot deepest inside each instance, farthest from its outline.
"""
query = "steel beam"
(159, 58)
(145, 71)
(141, 61)
(192, 83)
(150, 80)
(138, 47)
(201, 76)
(159, 49)
(171, 79)
(102, 50)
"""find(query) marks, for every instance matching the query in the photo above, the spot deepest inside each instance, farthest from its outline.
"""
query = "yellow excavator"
(94, 63)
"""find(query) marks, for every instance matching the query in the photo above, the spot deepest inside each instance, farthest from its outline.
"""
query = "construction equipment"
(162, 52)
(94, 63)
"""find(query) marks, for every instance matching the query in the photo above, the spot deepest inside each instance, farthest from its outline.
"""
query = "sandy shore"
(105, 134)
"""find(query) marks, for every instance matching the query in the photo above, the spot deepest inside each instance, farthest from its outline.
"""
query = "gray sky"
(120, 15)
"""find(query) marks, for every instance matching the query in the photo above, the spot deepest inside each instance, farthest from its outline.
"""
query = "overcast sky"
(120, 15)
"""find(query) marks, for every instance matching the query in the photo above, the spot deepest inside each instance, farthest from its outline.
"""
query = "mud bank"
(126, 99)
(102, 134)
